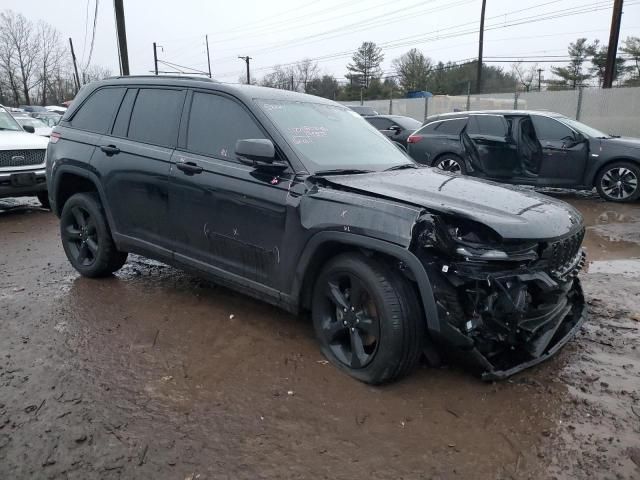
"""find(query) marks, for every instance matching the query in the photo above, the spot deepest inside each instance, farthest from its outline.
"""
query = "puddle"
(627, 268)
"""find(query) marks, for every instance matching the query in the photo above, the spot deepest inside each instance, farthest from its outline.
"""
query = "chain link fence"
(613, 110)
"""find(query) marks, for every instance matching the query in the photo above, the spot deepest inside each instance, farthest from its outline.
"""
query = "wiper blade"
(401, 167)
(341, 171)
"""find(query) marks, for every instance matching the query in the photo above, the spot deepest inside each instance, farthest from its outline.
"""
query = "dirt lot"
(157, 374)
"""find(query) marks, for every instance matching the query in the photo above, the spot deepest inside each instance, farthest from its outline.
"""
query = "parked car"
(363, 110)
(22, 163)
(294, 200)
(395, 127)
(33, 108)
(56, 109)
(531, 148)
(38, 126)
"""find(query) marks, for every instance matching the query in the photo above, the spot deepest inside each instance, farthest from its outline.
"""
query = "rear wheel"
(86, 237)
(450, 163)
(619, 182)
(43, 197)
(367, 319)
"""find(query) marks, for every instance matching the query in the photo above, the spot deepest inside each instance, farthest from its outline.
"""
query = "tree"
(413, 70)
(631, 46)
(365, 64)
(51, 56)
(281, 77)
(326, 87)
(572, 76)
(453, 79)
(525, 75)
(305, 72)
(599, 62)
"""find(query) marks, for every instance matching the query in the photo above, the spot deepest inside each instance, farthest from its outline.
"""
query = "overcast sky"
(282, 31)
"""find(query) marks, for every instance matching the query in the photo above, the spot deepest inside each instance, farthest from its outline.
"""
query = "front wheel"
(619, 182)
(450, 163)
(367, 319)
(86, 237)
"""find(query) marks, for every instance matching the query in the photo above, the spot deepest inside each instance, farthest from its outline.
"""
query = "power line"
(93, 36)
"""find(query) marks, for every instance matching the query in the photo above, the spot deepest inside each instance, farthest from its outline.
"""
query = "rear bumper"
(9, 188)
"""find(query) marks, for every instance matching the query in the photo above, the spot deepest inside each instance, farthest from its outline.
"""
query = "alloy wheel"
(619, 183)
(81, 236)
(450, 165)
(350, 325)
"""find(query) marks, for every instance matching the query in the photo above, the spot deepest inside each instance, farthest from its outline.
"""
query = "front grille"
(564, 251)
(21, 158)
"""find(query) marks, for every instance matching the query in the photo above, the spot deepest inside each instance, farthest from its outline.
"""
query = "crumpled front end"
(507, 305)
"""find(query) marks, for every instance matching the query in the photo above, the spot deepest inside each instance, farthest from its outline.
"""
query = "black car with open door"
(542, 149)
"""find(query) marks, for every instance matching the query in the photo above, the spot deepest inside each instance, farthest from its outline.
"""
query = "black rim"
(80, 235)
(350, 324)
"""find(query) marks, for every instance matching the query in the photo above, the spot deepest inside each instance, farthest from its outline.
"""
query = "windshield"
(407, 123)
(7, 122)
(583, 129)
(34, 122)
(50, 120)
(332, 137)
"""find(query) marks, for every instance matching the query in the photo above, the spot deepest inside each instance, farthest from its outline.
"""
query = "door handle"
(110, 149)
(189, 168)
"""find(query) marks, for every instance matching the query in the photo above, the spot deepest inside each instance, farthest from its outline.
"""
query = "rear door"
(225, 215)
(494, 152)
(563, 159)
(134, 162)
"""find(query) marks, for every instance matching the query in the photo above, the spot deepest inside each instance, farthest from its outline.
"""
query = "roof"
(496, 112)
(387, 116)
(245, 92)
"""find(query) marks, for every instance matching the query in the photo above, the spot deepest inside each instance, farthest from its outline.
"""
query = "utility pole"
(480, 45)
(206, 38)
(122, 37)
(292, 82)
(155, 58)
(75, 66)
(539, 79)
(246, 59)
(612, 50)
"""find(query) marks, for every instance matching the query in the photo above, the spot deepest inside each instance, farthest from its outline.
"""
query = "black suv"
(298, 201)
(543, 149)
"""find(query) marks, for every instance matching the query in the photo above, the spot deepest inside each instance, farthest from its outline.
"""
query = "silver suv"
(22, 161)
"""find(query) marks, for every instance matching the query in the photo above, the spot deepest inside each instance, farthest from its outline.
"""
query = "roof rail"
(183, 77)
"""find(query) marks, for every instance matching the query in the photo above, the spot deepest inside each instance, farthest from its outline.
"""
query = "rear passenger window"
(96, 113)
(380, 123)
(430, 127)
(490, 125)
(216, 123)
(452, 127)
(155, 116)
(124, 114)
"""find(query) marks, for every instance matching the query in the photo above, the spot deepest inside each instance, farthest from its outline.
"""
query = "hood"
(14, 140)
(622, 142)
(513, 212)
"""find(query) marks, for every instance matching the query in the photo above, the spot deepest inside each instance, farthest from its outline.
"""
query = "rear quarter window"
(96, 113)
(452, 127)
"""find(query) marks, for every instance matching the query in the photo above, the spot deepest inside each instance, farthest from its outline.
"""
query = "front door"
(226, 215)
(563, 158)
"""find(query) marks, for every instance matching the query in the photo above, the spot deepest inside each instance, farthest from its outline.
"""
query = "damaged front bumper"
(504, 321)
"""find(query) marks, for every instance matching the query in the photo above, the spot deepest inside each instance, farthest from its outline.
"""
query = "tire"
(86, 237)
(619, 182)
(450, 163)
(43, 198)
(380, 335)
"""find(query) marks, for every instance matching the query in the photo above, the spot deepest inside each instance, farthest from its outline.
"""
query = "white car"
(56, 109)
(39, 127)
(22, 161)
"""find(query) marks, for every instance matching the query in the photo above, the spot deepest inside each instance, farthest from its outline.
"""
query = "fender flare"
(409, 259)
(89, 175)
(593, 173)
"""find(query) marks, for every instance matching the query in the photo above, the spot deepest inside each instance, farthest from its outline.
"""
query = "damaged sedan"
(298, 201)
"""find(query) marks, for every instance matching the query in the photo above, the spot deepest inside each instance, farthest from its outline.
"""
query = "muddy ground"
(157, 374)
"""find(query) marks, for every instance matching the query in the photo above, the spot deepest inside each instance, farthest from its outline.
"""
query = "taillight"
(54, 137)
(414, 138)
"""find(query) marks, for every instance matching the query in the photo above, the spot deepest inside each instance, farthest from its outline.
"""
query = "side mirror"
(29, 128)
(259, 153)
(395, 128)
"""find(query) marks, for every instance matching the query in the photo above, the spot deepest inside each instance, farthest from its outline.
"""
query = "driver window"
(550, 130)
(216, 123)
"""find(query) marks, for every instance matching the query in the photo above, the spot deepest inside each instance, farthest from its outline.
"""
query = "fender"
(89, 175)
(409, 259)
(593, 169)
